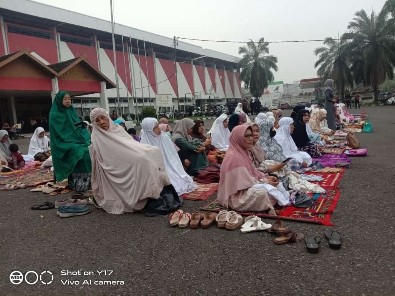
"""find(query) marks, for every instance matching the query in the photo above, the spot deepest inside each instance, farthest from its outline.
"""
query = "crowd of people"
(253, 161)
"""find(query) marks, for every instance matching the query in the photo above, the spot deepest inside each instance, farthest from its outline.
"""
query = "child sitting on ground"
(17, 162)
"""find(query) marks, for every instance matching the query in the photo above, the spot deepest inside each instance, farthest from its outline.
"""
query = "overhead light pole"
(115, 58)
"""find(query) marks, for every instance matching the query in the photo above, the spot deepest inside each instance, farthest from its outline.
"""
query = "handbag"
(352, 141)
(367, 127)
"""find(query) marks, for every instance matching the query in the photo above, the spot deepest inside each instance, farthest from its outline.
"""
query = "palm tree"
(256, 66)
(390, 7)
(371, 42)
(333, 63)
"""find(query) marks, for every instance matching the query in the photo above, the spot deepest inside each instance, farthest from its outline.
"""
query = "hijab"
(181, 129)
(260, 118)
(269, 145)
(219, 134)
(239, 108)
(295, 111)
(300, 136)
(181, 181)
(234, 120)
(4, 147)
(69, 143)
(38, 144)
(124, 173)
(237, 170)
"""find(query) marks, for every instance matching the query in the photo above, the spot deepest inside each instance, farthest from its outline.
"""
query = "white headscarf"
(37, 144)
(181, 181)
(125, 173)
(284, 138)
(219, 134)
(239, 108)
(261, 117)
(4, 146)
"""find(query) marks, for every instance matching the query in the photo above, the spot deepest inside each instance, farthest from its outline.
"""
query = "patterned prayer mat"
(333, 150)
(331, 179)
(319, 213)
(203, 192)
(32, 177)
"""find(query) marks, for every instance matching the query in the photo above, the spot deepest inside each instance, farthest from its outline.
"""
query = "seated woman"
(220, 133)
(240, 185)
(301, 137)
(266, 140)
(125, 173)
(5, 143)
(318, 123)
(285, 140)
(39, 145)
(152, 135)
(191, 149)
(69, 144)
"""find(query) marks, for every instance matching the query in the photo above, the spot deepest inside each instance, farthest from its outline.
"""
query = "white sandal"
(233, 220)
(254, 224)
(222, 218)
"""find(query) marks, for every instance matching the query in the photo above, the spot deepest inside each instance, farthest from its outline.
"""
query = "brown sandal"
(291, 237)
(208, 219)
(278, 227)
(195, 220)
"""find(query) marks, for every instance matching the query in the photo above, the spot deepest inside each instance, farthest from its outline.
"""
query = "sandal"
(44, 206)
(195, 220)
(208, 219)
(254, 223)
(278, 227)
(184, 221)
(334, 239)
(222, 218)
(175, 217)
(291, 237)
(312, 243)
(233, 221)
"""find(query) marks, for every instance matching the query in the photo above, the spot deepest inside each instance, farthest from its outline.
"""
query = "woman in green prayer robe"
(69, 144)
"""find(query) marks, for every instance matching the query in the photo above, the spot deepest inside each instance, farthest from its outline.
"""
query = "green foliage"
(365, 54)
(256, 66)
(388, 85)
(148, 111)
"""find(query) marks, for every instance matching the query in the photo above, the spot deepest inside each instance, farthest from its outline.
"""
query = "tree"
(256, 66)
(333, 63)
(371, 42)
(390, 7)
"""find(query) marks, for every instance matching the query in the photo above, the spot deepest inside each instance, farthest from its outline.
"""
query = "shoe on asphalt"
(72, 210)
(70, 202)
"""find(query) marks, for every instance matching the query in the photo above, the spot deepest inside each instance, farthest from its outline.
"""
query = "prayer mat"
(333, 150)
(319, 213)
(332, 160)
(32, 177)
(331, 178)
(203, 192)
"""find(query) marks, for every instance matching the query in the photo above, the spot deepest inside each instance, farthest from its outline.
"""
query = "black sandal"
(44, 206)
(334, 239)
(312, 243)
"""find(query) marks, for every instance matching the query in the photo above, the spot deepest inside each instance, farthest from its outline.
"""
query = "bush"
(148, 112)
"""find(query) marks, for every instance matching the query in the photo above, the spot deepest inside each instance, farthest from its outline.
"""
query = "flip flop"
(312, 243)
(334, 239)
(44, 206)
(175, 217)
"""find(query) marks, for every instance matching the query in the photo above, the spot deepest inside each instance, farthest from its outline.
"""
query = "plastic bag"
(367, 127)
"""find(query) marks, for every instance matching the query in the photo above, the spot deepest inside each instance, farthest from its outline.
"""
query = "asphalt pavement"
(130, 254)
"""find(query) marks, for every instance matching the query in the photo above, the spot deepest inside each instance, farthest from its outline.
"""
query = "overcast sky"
(236, 20)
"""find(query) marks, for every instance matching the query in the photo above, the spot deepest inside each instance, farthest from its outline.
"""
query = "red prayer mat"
(203, 192)
(31, 177)
(331, 180)
(320, 213)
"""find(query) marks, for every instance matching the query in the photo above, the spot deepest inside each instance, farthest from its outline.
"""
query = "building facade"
(148, 66)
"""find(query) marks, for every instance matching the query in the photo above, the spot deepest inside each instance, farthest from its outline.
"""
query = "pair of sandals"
(313, 241)
(229, 220)
(254, 223)
(285, 235)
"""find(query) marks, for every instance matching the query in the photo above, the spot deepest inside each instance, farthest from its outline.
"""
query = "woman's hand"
(272, 181)
(276, 167)
(200, 149)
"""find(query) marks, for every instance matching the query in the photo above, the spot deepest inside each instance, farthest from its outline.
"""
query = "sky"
(236, 20)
